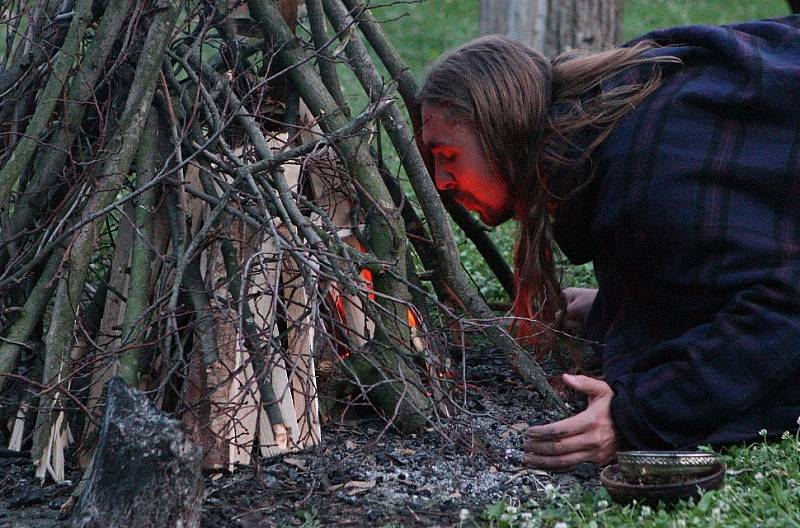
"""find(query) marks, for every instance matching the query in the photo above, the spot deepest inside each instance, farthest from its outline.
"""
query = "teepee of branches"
(188, 202)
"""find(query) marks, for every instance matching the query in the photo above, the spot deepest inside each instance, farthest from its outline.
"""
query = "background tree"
(552, 27)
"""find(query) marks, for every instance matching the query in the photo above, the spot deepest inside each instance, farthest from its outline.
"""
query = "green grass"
(423, 30)
(415, 29)
(761, 488)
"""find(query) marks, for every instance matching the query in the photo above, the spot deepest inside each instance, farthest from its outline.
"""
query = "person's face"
(461, 168)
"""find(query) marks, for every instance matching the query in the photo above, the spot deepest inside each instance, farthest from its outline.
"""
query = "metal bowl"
(643, 465)
(624, 491)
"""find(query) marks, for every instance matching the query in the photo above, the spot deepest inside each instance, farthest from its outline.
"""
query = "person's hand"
(579, 302)
(588, 436)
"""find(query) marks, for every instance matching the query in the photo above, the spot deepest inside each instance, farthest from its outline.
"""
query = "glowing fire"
(341, 312)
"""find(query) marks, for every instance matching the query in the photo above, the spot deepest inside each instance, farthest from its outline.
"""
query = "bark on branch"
(450, 266)
(124, 143)
(407, 88)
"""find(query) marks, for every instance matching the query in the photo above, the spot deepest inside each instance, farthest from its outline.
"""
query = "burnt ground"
(360, 477)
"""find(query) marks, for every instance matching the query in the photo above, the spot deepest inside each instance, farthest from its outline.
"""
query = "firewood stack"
(201, 214)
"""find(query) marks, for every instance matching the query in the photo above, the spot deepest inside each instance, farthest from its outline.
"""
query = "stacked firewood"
(188, 202)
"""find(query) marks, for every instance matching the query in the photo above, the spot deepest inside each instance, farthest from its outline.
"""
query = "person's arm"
(579, 302)
(685, 389)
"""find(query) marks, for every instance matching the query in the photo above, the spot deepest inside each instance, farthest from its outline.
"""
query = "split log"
(278, 430)
(145, 471)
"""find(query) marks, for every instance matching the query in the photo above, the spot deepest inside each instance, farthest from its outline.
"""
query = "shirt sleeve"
(695, 239)
(688, 388)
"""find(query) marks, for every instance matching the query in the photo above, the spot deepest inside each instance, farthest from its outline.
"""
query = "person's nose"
(445, 181)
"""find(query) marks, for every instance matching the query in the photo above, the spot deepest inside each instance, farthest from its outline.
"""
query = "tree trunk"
(553, 27)
(145, 471)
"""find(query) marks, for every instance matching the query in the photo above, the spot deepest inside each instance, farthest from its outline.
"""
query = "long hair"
(508, 93)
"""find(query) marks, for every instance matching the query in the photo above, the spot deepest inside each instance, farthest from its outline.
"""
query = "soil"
(362, 474)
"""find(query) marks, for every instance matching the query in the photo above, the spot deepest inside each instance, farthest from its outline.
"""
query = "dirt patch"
(23, 501)
(362, 475)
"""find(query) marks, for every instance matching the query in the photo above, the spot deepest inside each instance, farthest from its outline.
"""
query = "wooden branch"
(123, 145)
(395, 65)
(350, 129)
(111, 307)
(38, 126)
(306, 80)
(139, 286)
(30, 316)
(325, 59)
(449, 262)
(407, 88)
(52, 157)
(385, 232)
(415, 227)
(43, 15)
(188, 276)
(477, 233)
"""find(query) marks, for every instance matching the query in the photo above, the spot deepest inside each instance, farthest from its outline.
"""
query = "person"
(673, 164)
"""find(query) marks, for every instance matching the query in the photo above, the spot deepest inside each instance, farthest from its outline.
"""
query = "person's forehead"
(440, 127)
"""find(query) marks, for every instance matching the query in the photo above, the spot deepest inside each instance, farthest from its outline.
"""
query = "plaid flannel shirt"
(693, 225)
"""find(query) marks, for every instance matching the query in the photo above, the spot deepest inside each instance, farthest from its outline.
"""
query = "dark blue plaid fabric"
(693, 225)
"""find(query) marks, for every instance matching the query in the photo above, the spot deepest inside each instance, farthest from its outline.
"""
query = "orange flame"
(412, 318)
(366, 276)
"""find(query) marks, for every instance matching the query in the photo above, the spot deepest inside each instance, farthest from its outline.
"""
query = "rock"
(145, 471)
